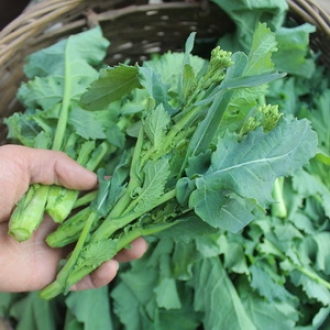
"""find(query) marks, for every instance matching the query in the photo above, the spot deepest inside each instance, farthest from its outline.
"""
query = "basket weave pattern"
(135, 28)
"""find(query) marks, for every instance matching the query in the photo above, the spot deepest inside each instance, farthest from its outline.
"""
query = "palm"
(29, 265)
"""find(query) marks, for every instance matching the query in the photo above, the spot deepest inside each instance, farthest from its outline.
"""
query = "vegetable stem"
(111, 224)
(60, 283)
(29, 213)
(278, 207)
(64, 110)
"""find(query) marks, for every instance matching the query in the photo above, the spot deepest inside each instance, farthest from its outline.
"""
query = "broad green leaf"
(265, 314)
(314, 250)
(249, 167)
(85, 124)
(112, 84)
(260, 54)
(32, 312)
(170, 67)
(247, 14)
(218, 210)
(217, 298)
(62, 71)
(312, 289)
(91, 308)
(292, 53)
(51, 60)
(269, 285)
(307, 184)
(6, 300)
(133, 297)
(23, 129)
(167, 295)
(234, 259)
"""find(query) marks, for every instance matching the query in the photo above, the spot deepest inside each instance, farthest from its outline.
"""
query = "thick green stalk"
(134, 181)
(278, 207)
(111, 224)
(313, 276)
(97, 156)
(60, 283)
(28, 213)
(122, 242)
(64, 111)
(61, 201)
(69, 231)
(85, 199)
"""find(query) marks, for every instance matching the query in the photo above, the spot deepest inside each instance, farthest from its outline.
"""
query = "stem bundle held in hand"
(181, 137)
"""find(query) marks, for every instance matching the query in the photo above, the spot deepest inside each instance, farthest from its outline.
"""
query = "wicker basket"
(136, 28)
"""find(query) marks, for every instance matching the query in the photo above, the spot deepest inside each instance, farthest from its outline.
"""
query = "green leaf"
(312, 289)
(170, 67)
(293, 49)
(23, 129)
(167, 295)
(110, 190)
(250, 167)
(189, 46)
(112, 84)
(155, 126)
(232, 250)
(262, 48)
(32, 312)
(247, 15)
(212, 288)
(66, 68)
(91, 308)
(306, 184)
(265, 314)
(86, 124)
(156, 175)
(224, 212)
(268, 284)
(133, 297)
(50, 60)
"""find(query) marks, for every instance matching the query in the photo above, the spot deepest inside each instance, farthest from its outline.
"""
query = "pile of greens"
(210, 160)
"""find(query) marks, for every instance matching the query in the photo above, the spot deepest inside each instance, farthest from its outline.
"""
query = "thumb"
(55, 167)
(22, 166)
(50, 167)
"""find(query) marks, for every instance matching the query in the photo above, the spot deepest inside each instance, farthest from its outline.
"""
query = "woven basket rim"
(314, 13)
(50, 20)
(37, 16)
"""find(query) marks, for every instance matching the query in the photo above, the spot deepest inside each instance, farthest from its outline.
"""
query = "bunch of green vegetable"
(207, 146)
(198, 157)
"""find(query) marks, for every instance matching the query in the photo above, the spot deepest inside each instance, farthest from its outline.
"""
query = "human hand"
(31, 265)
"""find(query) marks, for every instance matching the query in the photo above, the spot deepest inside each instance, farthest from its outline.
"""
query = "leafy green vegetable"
(178, 126)
(274, 271)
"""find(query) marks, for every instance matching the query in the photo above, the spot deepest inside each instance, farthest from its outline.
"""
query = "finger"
(100, 277)
(136, 250)
(55, 167)
(47, 167)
